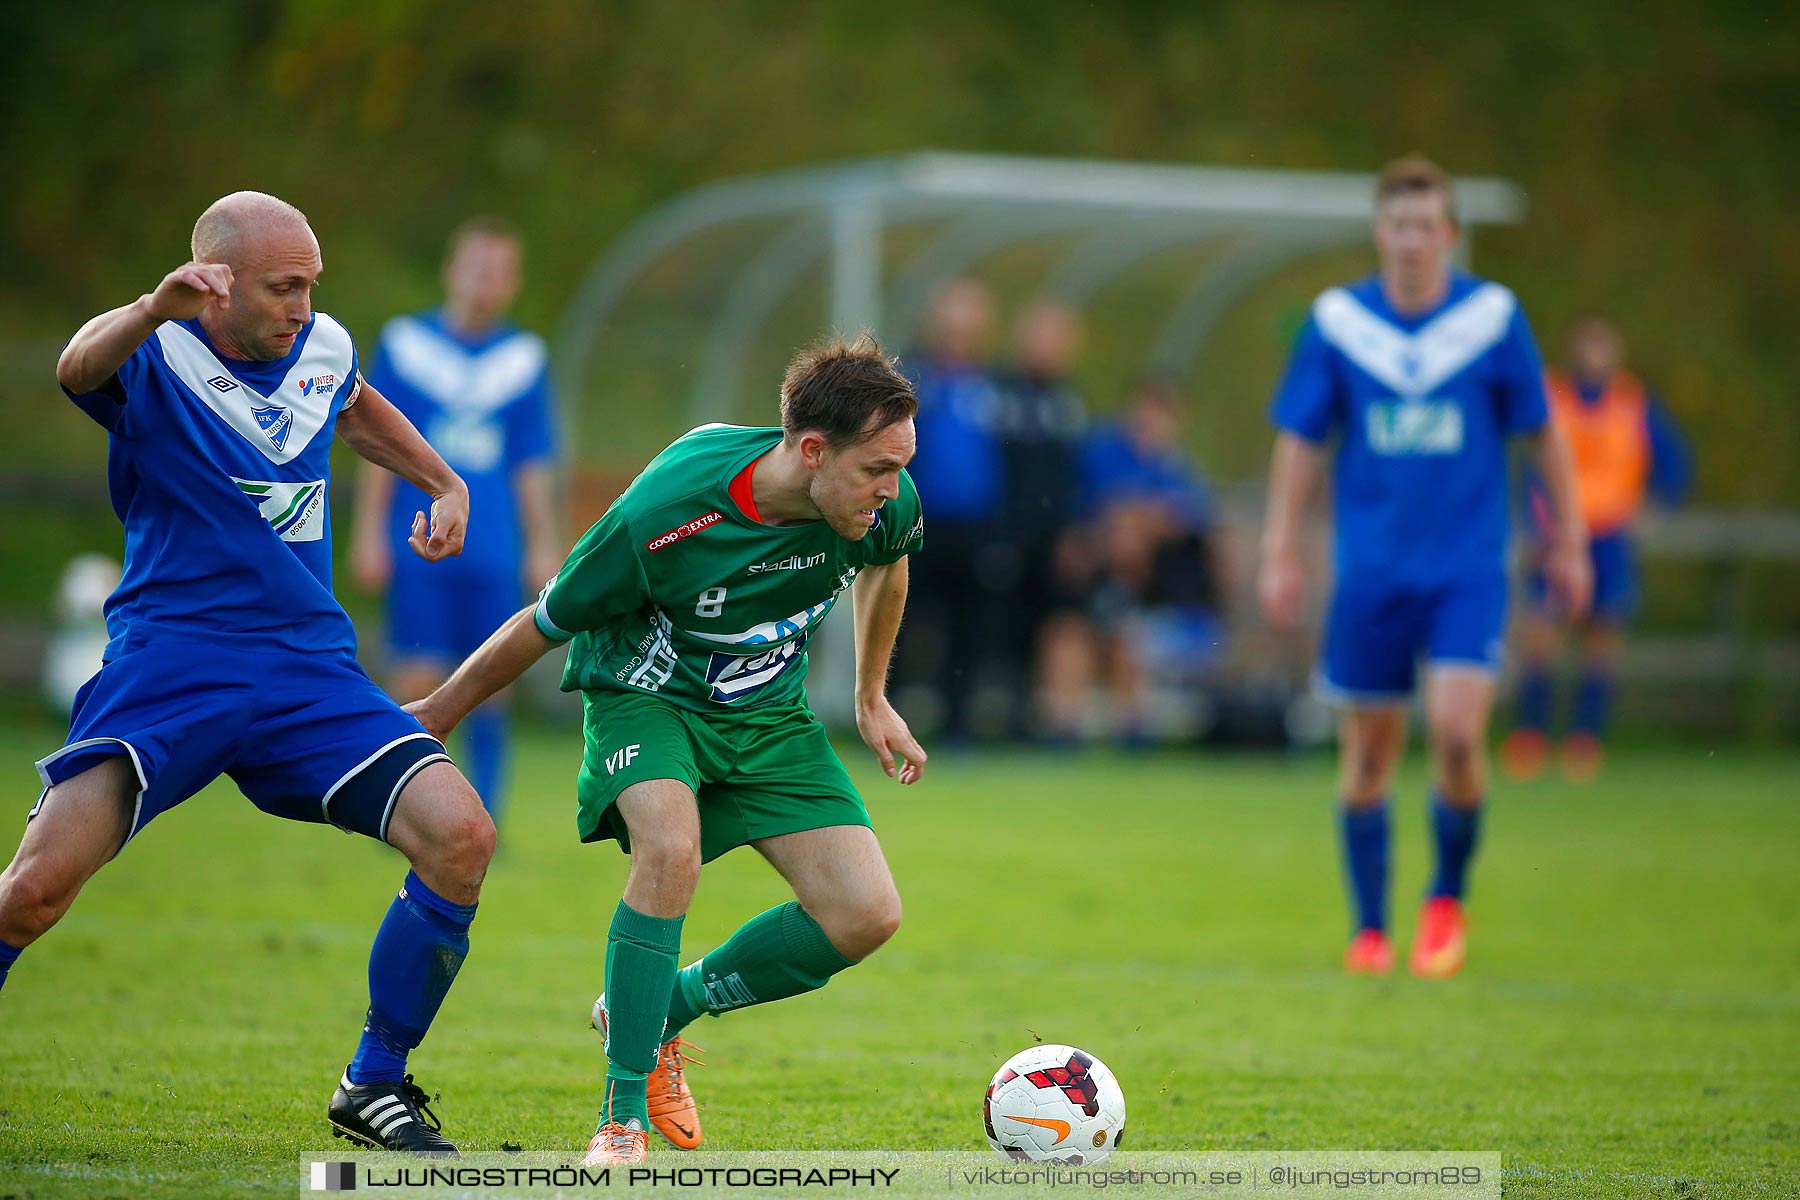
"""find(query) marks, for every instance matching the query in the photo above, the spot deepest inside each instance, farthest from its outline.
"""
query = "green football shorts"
(756, 772)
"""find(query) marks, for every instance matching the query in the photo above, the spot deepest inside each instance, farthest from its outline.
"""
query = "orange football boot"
(1369, 953)
(616, 1145)
(1524, 754)
(1441, 942)
(673, 1113)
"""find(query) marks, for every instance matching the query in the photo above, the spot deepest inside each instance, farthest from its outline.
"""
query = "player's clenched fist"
(185, 292)
(442, 535)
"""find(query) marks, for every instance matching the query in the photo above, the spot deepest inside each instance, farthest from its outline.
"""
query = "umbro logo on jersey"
(687, 529)
(320, 384)
(276, 423)
(792, 562)
(222, 384)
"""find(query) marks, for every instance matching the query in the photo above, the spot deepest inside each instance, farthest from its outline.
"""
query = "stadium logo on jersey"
(322, 385)
(276, 423)
(1403, 428)
(687, 529)
(792, 562)
(295, 511)
(222, 384)
(770, 632)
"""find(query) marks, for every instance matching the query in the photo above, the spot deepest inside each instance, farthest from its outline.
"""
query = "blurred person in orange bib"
(1626, 449)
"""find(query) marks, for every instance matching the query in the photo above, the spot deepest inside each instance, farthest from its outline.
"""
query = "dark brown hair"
(845, 391)
(1412, 174)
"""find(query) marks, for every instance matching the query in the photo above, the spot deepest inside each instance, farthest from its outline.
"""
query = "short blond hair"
(1413, 174)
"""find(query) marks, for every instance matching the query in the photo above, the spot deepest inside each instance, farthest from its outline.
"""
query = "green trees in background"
(1657, 143)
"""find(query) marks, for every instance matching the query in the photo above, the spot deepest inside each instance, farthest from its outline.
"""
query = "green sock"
(641, 953)
(772, 956)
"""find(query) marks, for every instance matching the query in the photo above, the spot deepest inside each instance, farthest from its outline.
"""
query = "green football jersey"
(678, 592)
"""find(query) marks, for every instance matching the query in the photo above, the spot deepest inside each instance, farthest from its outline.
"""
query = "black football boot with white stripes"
(388, 1115)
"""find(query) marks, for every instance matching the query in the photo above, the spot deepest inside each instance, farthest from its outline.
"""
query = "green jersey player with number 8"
(687, 609)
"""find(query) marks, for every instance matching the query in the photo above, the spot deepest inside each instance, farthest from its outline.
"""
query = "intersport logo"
(684, 530)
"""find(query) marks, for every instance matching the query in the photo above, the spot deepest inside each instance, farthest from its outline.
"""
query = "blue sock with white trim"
(8, 956)
(418, 951)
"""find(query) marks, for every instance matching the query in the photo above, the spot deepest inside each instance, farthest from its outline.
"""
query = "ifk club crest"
(275, 422)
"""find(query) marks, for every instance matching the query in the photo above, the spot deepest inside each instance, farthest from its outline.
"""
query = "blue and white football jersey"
(1423, 406)
(219, 470)
(484, 404)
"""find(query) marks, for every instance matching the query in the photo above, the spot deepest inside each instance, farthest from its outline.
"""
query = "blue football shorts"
(443, 611)
(304, 736)
(1376, 636)
(1615, 580)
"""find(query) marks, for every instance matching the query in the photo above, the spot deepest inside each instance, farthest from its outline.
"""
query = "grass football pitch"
(1628, 1023)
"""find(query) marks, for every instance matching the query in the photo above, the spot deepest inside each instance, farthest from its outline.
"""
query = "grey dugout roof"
(1113, 214)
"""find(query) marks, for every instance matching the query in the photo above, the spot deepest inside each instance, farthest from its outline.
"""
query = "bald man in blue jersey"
(1414, 380)
(220, 392)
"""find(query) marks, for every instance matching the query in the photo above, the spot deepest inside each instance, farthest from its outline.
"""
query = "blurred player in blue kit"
(1422, 374)
(220, 392)
(478, 388)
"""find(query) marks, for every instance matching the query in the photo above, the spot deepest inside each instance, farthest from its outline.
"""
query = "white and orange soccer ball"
(1054, 1104)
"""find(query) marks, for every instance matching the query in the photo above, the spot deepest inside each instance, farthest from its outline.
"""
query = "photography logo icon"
(333, 1177)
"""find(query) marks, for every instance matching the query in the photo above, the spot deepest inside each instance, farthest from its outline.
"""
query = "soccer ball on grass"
(1054, 1104)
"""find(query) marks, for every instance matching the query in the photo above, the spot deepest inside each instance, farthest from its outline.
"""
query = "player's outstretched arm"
(99, 348)
(507, 654)
(879, 598)
(1567, 567)
(380, 433)
(1281, 582)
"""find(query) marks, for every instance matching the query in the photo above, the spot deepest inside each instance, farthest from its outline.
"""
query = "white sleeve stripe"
(541, 615)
